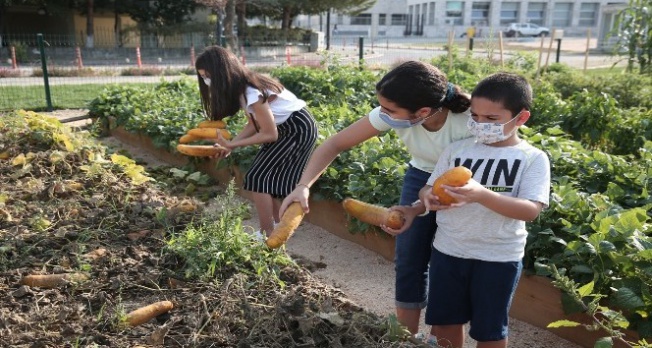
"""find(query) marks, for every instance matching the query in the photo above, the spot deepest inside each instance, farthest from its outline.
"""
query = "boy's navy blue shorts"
(467, 290)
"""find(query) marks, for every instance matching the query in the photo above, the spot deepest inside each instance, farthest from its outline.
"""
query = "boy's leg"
(493, 344)
(492, 288)
(264, 206)
(449, 307)
(449, 336)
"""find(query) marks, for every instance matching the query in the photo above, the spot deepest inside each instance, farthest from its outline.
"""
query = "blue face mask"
(207, 81)
(403, 124)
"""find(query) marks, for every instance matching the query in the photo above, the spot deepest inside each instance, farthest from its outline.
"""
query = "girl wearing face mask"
(428, 113)
(278, 121)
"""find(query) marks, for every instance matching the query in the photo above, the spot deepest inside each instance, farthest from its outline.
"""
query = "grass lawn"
(63, 96)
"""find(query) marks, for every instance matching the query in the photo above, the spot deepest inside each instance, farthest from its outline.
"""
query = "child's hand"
(222, 152)
(471, 192)
(408, 212)
(223, 142)
(299, 194)
(431, 201)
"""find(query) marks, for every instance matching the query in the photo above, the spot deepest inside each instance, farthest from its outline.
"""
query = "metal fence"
(76, 75)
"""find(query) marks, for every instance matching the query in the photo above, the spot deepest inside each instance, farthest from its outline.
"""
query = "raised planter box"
(536, 300)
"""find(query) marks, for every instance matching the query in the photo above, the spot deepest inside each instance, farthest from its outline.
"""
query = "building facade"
(391, 18)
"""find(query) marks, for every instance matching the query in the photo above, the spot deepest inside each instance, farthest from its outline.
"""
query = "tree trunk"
(117, 27)
(241, 12)
(90, 32)
(229, 17)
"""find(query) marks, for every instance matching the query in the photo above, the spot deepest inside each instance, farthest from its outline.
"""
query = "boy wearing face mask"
(480, 241)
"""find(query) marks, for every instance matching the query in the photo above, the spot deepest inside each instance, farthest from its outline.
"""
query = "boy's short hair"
(512, 90)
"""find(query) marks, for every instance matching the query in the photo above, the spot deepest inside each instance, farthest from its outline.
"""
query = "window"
(508, 13)
(454, 12)
(431, 14)
(361, 19)
(561, 16)
(588, 13)
(340, 19)
(382, 19)
(399, 19)
(480, 13)
(536, 12)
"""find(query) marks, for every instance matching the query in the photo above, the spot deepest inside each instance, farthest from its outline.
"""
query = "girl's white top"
(425, 146)
(282, 107)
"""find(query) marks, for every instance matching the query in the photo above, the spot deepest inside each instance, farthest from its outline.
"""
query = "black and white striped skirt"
(278, 166)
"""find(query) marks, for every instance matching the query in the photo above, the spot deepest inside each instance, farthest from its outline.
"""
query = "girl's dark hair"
(511, 90)
(229, 80)
(415, 84)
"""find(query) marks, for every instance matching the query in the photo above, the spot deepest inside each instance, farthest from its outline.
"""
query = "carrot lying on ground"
(373, 214)
(456, 177)
(289, 222)
(52, 280)
(145, 314)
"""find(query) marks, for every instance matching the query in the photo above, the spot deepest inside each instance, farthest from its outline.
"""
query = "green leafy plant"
(610, 321)
(219, 247)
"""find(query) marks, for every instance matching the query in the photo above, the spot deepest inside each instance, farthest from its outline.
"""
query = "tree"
(226, 13)
(634, 31)
(159, 13)
(287, 10)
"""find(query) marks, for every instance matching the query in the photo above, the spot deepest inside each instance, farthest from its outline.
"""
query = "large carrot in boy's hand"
(145, 314)
(456, 177)
(373, 214)
(289, 222)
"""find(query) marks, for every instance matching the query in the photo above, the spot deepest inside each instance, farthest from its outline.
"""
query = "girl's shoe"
(258, 236)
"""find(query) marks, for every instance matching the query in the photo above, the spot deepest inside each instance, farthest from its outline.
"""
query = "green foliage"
(633, 32)
(163, 112)
(604, 318)
(219, 247)
(335, 84)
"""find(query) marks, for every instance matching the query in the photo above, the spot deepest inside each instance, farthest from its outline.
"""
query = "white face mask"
(207, 81)
(489, 133)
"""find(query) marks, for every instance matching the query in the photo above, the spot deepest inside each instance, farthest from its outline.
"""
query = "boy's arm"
(511, 207)
(533, 197)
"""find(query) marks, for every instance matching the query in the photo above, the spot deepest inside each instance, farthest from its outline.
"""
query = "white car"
(525, 29)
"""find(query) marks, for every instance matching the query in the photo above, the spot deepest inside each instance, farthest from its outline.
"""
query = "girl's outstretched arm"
(324, 154)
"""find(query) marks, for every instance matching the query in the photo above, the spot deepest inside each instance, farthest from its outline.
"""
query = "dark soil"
(62, 210)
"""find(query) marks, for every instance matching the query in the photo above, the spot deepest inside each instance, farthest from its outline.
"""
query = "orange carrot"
(373, 214)
(289, 222)
(456, 177)
(209, 133)
(145, 314)
(49, 281)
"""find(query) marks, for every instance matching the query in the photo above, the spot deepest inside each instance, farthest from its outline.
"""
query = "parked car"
(525, 29)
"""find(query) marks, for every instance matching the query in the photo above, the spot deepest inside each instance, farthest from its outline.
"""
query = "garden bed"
(536, 301)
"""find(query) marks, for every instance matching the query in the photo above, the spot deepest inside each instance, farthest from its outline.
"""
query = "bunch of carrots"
(206, 130)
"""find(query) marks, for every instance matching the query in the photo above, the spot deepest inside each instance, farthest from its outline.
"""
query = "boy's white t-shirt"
(473, 231)
(282, 107)
(425, 146)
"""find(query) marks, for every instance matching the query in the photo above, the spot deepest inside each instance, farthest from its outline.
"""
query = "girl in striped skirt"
(278, 121)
